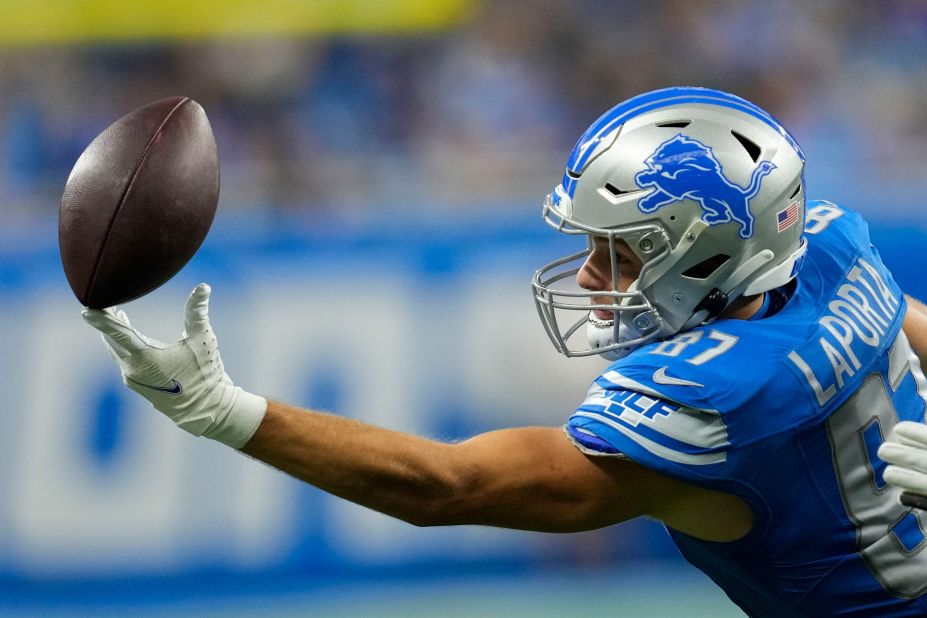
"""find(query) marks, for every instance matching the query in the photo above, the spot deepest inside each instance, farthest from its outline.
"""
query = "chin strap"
(717, 301)
(714, 303)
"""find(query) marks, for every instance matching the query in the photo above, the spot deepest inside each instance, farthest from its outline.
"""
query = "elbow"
(447, 499)
(435, 510)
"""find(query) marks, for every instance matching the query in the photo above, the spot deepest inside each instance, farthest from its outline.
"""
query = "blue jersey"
(787, 412)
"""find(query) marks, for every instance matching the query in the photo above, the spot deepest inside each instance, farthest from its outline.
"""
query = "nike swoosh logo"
(660, 377)
(174, 389)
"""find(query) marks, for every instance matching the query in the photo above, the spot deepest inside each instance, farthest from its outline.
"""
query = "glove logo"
(684, 168)
(174, 389)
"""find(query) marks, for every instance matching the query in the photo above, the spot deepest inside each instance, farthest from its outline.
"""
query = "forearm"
(529, 478)
(399, 474)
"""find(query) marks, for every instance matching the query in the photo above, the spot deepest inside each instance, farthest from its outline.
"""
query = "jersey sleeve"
(622, 417)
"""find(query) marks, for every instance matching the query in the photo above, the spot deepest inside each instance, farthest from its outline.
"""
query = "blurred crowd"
(485, 114)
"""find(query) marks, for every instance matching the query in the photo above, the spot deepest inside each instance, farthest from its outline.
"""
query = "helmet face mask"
(706, 190)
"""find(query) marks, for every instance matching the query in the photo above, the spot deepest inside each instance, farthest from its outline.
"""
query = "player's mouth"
(600, 318)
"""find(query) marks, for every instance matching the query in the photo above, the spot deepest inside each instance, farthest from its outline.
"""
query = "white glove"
(185, 380)
(906, 450)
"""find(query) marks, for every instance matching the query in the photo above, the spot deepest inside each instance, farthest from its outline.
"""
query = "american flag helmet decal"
(787, 217)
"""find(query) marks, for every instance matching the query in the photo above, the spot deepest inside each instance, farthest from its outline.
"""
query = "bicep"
(534, 478)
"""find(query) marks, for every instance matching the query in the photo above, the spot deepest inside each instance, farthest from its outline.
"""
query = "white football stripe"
(698, 459)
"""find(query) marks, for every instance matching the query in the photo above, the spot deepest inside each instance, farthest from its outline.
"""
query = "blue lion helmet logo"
(684, 168)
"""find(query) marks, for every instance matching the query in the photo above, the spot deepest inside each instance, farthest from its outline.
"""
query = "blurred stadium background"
(383, 166)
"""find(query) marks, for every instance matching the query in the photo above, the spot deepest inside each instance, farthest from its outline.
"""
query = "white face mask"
(564, 309)
(613, 339)
(601, 334)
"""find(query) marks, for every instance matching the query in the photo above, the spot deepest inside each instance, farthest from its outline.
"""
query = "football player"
(760, 352)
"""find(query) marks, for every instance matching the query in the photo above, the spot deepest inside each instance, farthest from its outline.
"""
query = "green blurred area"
(639, 589)
(31, 22)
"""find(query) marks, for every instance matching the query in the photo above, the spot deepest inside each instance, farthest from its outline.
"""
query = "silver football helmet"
(704, 187)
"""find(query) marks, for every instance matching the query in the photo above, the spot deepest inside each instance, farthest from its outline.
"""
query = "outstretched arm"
(531, 478)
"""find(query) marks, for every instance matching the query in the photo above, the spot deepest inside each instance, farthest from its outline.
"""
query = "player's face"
(596, 272)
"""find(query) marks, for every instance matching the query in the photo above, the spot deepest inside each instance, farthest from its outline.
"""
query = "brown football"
(139, 202)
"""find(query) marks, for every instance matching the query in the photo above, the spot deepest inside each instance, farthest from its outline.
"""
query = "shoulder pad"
(692, 368)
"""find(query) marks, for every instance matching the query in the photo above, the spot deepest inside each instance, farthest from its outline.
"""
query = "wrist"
(229, 415)
(240, 420)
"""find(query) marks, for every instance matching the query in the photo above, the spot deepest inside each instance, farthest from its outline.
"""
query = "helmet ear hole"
(706, 268)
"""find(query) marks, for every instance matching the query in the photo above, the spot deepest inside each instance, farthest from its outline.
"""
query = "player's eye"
(622, 255)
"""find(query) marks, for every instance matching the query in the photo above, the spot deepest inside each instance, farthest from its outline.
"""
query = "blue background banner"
(426, 327)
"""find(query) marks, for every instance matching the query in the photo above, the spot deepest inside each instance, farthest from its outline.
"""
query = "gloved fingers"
(122, 317)
(196, 311)
(911, 457)
(907, 480)
(109, 343)
(119, 335)
(909, 432)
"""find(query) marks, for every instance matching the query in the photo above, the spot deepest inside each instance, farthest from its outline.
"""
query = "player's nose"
(595, 273)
